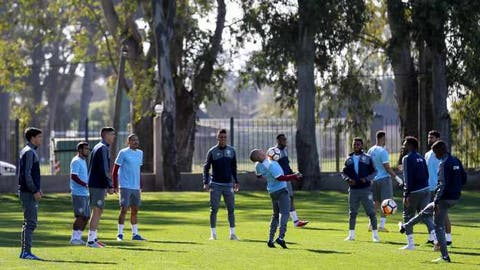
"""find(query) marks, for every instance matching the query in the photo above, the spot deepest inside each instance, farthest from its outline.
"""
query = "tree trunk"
(308, 163)
(88, 78)
(426, 94)
(406, 85)
(163, 16)
(185, 130)
(5, 126)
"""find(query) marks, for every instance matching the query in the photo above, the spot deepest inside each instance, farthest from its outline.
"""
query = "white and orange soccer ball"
(273, 153)
(389, 207)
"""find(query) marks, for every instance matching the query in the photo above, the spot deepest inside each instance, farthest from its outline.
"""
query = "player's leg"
(441, 211)
(124, 203)
(432, 239)
(408, 213)
(369, 207)
(386, 192)
(135, 202)
(353, 205)
(81, 211)
(448, 230)
(30, 214)
(376, 200)
(427, 217)
(274, 221)
(284, 207)
(229, 199)
(426, 211)
(97, 202)
(215, 194)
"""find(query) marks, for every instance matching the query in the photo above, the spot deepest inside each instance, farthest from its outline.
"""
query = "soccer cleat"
(281, 242)
(375, 239)
(100, 243)
(213, 237)
(429, 242)
(270, 244)
(29, 256)
(436, 247)
(349, 238)
(77, 242)
(120, 237)
(401, 228)
(234, 237)
(93, 244)
(442, 260)
(300, 223)
(382, 229)
(138, 237)
(449, 243)
(408, 247)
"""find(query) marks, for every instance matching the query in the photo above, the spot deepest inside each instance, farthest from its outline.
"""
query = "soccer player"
(382, 183)
(80, 194)
(451, 178)
(99, 182)
(223, 160)
(277, 188)
(126, 175)
(416, 192)
(358, 173)
(29, 189)
(285, 164)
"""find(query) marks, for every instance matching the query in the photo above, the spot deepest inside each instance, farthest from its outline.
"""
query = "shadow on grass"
(262, 241)
(323, 251)
(464, 253)
(149, 249)
(81, 262)
(175, 242)
(395, 243)
(321, 229)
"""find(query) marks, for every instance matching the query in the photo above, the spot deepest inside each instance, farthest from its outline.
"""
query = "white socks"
(213, 231)
(232, 230)
(134, 229)
(293, 215)
(382, 222)
(120, 228)
(410, 240)
(76, 235)
(432, 236)
(448, 237)
(351, 234)
(92, 235)
(375, 234)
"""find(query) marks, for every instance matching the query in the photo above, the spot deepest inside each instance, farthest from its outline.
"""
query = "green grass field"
(176, 225)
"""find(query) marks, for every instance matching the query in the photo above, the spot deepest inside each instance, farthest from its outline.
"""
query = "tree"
(299, 41)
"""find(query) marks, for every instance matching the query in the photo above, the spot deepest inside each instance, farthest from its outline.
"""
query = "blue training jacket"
(415, 173)
(365, 170)
(224, 165)
(284, 161)
(99, 167)
(29, 169)
(451, 178)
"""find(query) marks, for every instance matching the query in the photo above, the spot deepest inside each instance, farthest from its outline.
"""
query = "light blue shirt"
(356, 159)
(130, 162)
(433, 163)
(270, 169)
(379, 157)
(78, 166)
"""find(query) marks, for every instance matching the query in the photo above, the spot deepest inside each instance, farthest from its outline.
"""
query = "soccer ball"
(273, 153)
(389, 207)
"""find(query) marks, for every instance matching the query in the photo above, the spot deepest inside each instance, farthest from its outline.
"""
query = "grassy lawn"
(176, 225)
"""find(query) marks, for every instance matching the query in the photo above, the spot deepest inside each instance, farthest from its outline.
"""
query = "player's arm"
(406, 177)
(115, 169)
(234, 167)
(106, 167)
(441, 183)
(77, 180)
(27, 171)
(289, 177)
(206, 170)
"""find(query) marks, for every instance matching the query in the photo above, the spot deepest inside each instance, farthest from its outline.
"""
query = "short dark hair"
(358, 139)
(434, 133)
(105, 130)
(81, 145)
(31, 132)
(280, 136)
(380, 134)
(131, 136)
(253, 154)
(440, 146)
(222, 131)
(412, 141)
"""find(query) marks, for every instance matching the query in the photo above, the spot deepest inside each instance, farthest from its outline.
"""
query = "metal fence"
(247, 134)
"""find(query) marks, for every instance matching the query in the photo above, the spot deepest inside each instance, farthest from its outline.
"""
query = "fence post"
(157, 146)
(17, 140)
(86, 129)
(232, 140)
(337, 148)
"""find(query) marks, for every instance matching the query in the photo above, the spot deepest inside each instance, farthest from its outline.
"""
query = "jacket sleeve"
(234, 167)
(406, 179)
(371, 170)
(206, 168)
(463, 174)
(345, 176)
(441, 182)
(27, 171)
(106, 167)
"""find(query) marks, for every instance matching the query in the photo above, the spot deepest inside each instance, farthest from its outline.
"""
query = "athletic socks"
(232, 230)
(351, 234)
(382, 222)
(120, 228)
(410, 241)
(76, 235)
(92, 235)
(293, 215)
(134, 229)
(448, 237)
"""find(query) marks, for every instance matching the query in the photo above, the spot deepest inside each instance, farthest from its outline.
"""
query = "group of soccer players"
(89, 186)
(430, 187)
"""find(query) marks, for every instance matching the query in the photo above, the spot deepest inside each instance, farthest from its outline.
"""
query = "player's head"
(410, 143)
(222, 137)
(433, 136)
(380, 137)
(281, 140)
(257, 155)
(357, 145)
(83, 149)
(33, 135)
(133, 141)
(440, 149)
(108, 134)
